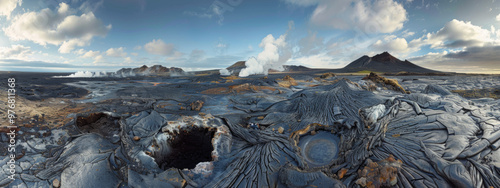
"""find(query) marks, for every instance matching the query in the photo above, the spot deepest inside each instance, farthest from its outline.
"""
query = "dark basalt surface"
(213, 131)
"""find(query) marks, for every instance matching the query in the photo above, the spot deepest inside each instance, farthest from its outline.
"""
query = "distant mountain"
(155, 70)
(238, 66)
(295, 68)
(384, 62)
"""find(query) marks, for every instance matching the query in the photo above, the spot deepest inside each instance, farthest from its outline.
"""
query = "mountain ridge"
(158, 70)
(384, 62)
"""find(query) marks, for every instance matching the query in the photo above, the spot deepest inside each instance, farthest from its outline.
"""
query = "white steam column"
(275, 54)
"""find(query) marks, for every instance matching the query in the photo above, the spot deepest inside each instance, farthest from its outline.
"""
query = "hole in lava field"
(188, 148)
(100, 123)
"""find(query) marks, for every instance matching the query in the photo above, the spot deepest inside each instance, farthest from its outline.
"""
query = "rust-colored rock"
(281, 130)
(197, 105)
(137, 138)
(380, 174)
(80, 121)
(385, 82)
(342, 173)
(327, 75)
(56, 183)
(287, 81)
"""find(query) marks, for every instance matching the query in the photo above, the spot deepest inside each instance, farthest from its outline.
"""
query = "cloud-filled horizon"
(98, 35)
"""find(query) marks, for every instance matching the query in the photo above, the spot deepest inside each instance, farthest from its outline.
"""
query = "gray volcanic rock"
(436, 89)
(384, 62)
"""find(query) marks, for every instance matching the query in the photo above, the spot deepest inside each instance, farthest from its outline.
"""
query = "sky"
(106, 35)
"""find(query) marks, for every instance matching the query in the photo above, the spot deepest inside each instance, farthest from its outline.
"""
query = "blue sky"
(106, 35)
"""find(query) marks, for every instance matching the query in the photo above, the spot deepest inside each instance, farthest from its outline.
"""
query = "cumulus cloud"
(7, 6)
(407, 33)
(79, 51)
(98, 59)
(392, 44)
(498, 17)
(15, 51)
(457, 34)
(384, 16)
(96, 55)
(91, 54)
(128, 60)
(158, 47)
(57, 27)
(276, 52)
(464, 48)
(116, 52)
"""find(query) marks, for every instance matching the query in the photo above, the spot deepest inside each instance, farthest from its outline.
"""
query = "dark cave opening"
(188, 148)
(100, 123)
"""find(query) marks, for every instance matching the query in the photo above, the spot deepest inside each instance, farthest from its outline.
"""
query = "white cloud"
(457, 34)
(158, 47)
(128, 60)
(116, 52)
(384, 16)
(98, 59)
(79, 52)
(7, 6)
(15, 51)
(69, 45)
(407, 33)
(392, 44)
(90, 54)
(57, 28)
(498, 17)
